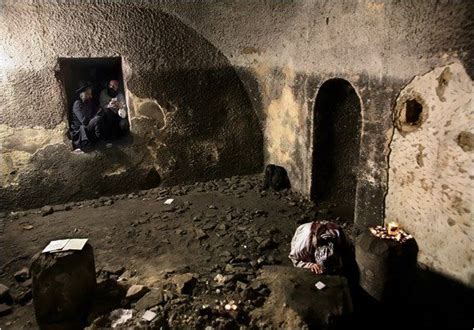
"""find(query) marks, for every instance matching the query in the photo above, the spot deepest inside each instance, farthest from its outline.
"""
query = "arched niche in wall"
(336, 142)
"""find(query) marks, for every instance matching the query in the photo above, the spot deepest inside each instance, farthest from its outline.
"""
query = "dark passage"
(336, 147)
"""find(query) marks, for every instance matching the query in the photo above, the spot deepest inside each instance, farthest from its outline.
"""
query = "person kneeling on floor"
(318, 246)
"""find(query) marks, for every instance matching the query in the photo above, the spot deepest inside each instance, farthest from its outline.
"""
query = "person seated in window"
(85, 127)
(112, 102)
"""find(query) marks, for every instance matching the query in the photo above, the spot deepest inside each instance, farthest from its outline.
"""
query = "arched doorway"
(336, 140)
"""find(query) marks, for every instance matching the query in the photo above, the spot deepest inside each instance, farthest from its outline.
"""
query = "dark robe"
(85, 125)
(113, 126)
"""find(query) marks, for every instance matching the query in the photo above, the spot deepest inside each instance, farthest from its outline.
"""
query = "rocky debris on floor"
(116, 318)
(136, 291)
(149, 316)
(151, 299)
(22, 296)
(295, 302)
(47, 210)
(22, 275)
(5, 309)
(4, 292)
(111, 271)
(185, 283)
(108, 296)
(220, 286)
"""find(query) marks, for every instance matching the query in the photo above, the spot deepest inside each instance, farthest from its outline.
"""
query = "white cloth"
(301, 246)
(308, 249)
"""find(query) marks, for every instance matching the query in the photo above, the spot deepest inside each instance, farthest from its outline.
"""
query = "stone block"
(63, 286)
(387, 267)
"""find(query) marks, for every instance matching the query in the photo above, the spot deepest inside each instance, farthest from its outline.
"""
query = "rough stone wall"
(191, 118)
(285, 50)
(431, 170)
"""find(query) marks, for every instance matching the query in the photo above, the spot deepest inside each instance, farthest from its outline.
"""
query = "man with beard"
(115, 112)
(85, 124)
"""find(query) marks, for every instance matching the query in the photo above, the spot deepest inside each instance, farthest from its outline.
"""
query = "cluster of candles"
(391, 231)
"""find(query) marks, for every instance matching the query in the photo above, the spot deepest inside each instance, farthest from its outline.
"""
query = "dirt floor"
(227, 227)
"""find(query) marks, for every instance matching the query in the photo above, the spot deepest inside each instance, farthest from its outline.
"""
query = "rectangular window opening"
(100, 117)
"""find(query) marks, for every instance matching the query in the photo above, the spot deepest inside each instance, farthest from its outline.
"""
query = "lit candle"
(392, 228)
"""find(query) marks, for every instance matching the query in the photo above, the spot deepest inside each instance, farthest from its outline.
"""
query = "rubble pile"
(222, 244)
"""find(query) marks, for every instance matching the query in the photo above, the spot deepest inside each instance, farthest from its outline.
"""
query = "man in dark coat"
(113, 105)
(85, 125)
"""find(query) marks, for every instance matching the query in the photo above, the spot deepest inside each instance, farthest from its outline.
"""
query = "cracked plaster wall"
(431, 177)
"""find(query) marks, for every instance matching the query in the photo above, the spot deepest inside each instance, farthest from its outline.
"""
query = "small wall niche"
(410, 113)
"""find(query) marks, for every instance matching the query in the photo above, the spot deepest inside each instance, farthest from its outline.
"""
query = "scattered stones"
(225, 253)
(136, 291)
(28, 283)
(23, 296)
(220, 279)
(114, 270)
(120, 316)
(241, 285)
(4, 292)
(46, 210)
(149, 316)
(242, 228)
(185, 283)
(169, 208)
(151, 299)
(5, 309)
(266, 244)
(201, 234)
(241, 258)
(27, 227)
(291, 303)
(22, 275)
(209, 226)
(228, 236)
(222, 226)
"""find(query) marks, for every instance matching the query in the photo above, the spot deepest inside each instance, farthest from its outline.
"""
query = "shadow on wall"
(211, 127)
